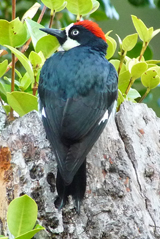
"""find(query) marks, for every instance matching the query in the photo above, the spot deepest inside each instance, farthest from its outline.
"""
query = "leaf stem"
(129, 85)
(145, 44)
(145, 94)
(51, 19)
(123, 54)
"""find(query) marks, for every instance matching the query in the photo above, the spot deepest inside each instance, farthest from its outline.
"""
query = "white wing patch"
(43, 113)
(104, 118)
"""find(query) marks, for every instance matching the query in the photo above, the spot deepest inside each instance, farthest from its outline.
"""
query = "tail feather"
(76, 188)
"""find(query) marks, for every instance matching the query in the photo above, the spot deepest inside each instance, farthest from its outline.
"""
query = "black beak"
(60, 35)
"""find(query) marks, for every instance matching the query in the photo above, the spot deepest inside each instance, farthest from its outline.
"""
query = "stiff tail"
(76, 188)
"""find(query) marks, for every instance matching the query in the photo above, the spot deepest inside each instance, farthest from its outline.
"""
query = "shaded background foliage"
(111, 15)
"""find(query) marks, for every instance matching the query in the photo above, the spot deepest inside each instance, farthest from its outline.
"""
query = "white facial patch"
(69, 43)
(104, 118)
(43, 113)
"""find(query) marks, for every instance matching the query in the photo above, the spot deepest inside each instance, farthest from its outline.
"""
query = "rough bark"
(122, 199)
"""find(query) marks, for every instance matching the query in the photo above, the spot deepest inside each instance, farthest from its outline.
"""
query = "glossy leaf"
(32, 11)
(95, 6)
(133, 94)
(3, 67)
(3, 237)
(61, 7)
(48, 45)
(33, 28)
(155, 32)
(129, 42)
(123, 81)
(153, 61)
(116, 65)
(79, 7)
(22, 103)
(150, 78)
(35, 60)
(53, 4)
(25, 82)
(3, 92)
(22, 215)
(112, 45)
(119, 40)
(24, 60)
(121, 98)
(30, 234)
(7, 109)
(143, 32)
(138, 69)
(14, 33)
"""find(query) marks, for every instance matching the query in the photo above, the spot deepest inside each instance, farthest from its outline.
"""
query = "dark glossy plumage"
(76, 88)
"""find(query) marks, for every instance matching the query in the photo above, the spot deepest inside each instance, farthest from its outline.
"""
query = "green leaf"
(14, 33)
(48, 45)
(123, 80)
(3, 237)
(133, 94)
(129, 42)
(3, 92)
(138, 69)
(22, 215)
(120, 41)
(155, 32)
(135, 52)
(25, 82)
(53, 4)
(30, 234)
(35, 60)
(121, 98)
(7, 109)
(33, 28)
(143, 32)
(3, 67)
(79, 7)
(31, 11)
(153, 61)
(61, 7)
(150, 78)
(24, 60)
(22, 102)
(95, 6)
(112, 45)
(116, 65)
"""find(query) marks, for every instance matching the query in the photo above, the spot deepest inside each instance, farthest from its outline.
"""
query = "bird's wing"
(74, 125)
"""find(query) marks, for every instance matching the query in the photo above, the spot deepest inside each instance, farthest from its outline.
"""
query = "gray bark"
(122, 199)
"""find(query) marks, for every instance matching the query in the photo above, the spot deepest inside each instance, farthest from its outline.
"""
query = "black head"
(84, 33)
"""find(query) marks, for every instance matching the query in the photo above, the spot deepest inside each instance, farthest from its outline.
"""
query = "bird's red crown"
(93, 27)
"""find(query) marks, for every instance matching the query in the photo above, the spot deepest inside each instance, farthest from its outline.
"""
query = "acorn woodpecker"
(77, 93)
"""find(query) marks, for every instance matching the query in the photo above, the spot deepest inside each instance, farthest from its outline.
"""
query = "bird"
(77, 90)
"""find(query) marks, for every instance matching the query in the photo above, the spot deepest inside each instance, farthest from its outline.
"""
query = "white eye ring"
(75, 32)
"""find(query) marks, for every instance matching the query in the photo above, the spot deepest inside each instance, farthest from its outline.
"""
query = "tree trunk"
(122, 199)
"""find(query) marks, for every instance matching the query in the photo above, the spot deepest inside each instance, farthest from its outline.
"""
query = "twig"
(143, 50)
(13, 57)
(51, 19)
(144, 96)
(25, 47)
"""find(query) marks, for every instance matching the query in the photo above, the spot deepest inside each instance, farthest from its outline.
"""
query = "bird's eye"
(75, 32)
